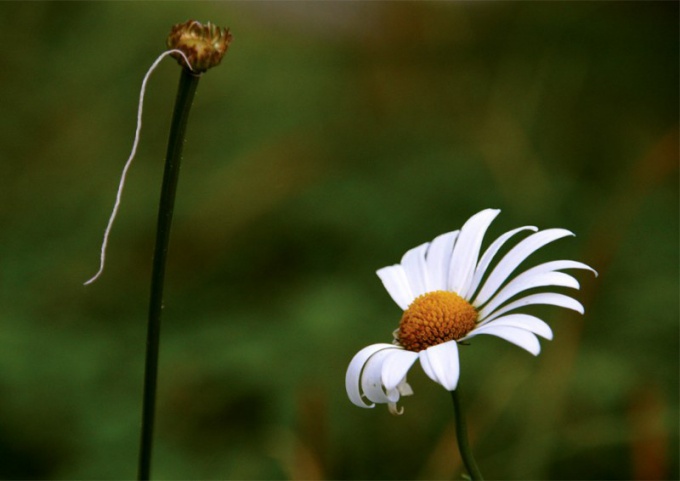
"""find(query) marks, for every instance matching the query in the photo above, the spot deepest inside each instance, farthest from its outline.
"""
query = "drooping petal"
(371, 378)
(395, 281)
(518, 336)
(522, 283)
(402, 389)
(548, 298)
(441, 364)
(466, 251)
(356, 366)
(393, 409)
(523, 321)
(513, 259)
(413, 263)
(488, 256)
(395, 367)
(438, 260)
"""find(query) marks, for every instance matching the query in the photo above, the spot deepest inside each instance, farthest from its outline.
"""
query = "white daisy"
(448, 297)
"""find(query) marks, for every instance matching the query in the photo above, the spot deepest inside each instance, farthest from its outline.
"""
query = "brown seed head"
(434, 318)
(204, 45)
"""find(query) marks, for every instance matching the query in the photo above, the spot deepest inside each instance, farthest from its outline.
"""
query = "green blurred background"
(334, 137)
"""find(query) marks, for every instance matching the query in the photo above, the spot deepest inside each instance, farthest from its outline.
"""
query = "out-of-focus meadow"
(334, 137)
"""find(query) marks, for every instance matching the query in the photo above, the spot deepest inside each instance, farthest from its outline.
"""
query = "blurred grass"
(334, 137)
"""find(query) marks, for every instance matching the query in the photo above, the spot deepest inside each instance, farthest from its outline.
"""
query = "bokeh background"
(334, 137)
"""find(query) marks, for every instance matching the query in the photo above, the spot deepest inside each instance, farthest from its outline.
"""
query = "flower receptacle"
(203, 45)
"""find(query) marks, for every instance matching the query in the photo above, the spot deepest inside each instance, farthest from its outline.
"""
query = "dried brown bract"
(204, 45)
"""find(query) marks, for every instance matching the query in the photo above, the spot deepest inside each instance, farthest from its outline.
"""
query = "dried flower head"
(204, 45)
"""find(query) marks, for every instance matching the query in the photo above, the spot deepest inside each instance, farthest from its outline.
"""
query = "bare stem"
(461, 435)
(185, 94)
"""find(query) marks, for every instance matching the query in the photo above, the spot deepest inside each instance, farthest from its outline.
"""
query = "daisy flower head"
(450, 294)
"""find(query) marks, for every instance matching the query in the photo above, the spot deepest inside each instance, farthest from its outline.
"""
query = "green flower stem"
(461, 434)
(185, 94)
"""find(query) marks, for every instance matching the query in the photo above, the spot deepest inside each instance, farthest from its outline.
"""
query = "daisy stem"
(185, 94)
(461, 435)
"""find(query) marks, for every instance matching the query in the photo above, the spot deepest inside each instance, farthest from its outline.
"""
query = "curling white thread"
(119, 194)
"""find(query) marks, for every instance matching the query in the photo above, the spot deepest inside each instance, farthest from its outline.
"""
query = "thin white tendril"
(119, 194)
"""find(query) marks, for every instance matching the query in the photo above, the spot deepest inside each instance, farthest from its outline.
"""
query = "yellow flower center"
(434, 318)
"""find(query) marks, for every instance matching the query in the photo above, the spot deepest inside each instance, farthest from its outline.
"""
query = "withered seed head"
(204, 45)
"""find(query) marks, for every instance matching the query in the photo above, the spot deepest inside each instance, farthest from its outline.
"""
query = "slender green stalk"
(185, 94)
(461, 435)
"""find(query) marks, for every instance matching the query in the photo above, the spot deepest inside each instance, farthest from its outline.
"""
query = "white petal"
(395, 367)
(395, 281)
(371, 378)
(518, 336)
(549, 298)
(403, 389)
(441, 364)
(353, 375)
(523, 321)
(540, 276)
(466, 251)
(514, 258)
(560, 266)
(413, 263)
(438, 260)
(524, 282)
(488, 256)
